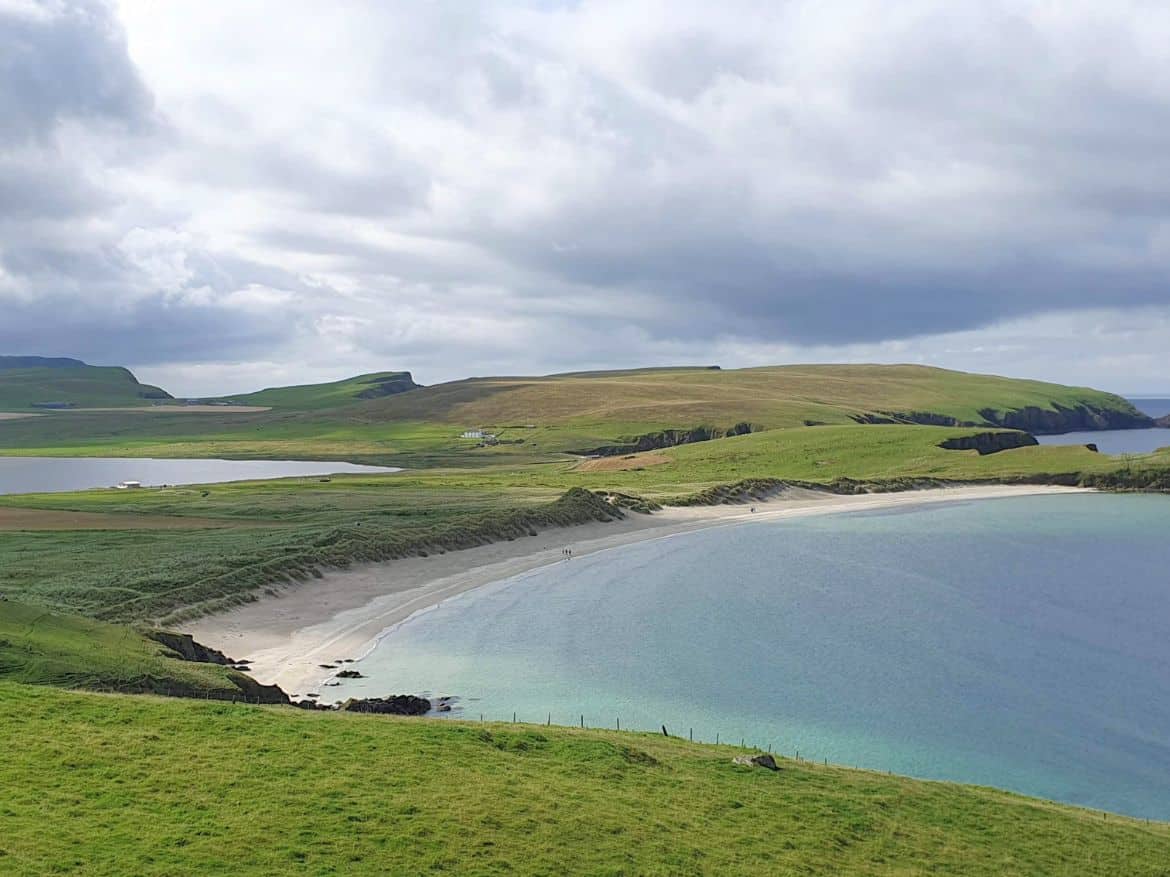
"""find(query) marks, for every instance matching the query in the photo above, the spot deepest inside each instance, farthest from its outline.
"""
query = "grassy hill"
(539, 419)
(29, 382)
(778, 396)
(309, 397)
(111, 785)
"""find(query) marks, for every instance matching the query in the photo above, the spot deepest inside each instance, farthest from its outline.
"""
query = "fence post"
(513, 717)
(691, 734)
(619, 723)
(582, 720)
(550, 720)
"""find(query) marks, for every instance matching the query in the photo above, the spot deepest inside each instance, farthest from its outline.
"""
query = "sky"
(225, 196)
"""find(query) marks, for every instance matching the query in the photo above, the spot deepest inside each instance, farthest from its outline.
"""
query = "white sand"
(339, 616)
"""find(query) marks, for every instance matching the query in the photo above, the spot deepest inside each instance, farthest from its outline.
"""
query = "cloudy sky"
(231, 195)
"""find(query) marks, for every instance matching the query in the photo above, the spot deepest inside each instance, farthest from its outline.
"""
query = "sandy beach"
(287, 637)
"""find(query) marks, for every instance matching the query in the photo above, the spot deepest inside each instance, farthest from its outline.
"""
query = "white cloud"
(461, 187)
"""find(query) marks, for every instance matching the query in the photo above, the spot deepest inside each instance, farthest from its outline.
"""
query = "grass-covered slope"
(114, 785)
(47, 648)
(780, 396)
(308, 397)
(81, 386)
(539, 419)
(127, 575)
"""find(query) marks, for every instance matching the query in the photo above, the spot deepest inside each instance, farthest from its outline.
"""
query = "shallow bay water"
(1114, 441)
(56, 474)
(1021, 643)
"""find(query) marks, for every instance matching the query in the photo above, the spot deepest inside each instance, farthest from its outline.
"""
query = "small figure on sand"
(566, 553)
(753, 510)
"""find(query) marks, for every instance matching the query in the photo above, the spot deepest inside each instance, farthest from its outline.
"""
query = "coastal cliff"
(390, 384)
(1038, 421)
(667, 438)
(1058, 419)
(1163, 422)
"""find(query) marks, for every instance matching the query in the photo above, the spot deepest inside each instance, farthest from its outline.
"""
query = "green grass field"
(114, 785)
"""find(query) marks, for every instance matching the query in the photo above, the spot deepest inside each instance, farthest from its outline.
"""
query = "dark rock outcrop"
(1163, 422)
(1038, 421)
(989, 442)
(920, 418)
(394, 705)
(763, 760)
(254, 692)
(388, 385)
(667, 438)
(350, 674)
(185, 646)
(1058, 419)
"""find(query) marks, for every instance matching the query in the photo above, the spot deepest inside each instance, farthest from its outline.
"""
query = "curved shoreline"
(343, 614)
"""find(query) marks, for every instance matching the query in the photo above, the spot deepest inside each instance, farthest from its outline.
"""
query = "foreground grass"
(113, 785)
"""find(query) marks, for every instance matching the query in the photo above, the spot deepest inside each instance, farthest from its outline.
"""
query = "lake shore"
(287, 637)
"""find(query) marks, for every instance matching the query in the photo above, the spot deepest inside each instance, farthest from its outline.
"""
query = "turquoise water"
(1021, 643)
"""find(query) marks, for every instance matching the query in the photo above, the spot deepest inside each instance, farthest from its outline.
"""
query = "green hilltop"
(34, 383)
(307, 397)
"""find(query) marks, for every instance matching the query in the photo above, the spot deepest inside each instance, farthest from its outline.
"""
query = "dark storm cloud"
(68, 62)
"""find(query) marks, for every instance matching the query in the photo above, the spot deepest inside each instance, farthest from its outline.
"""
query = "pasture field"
(153, 786)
